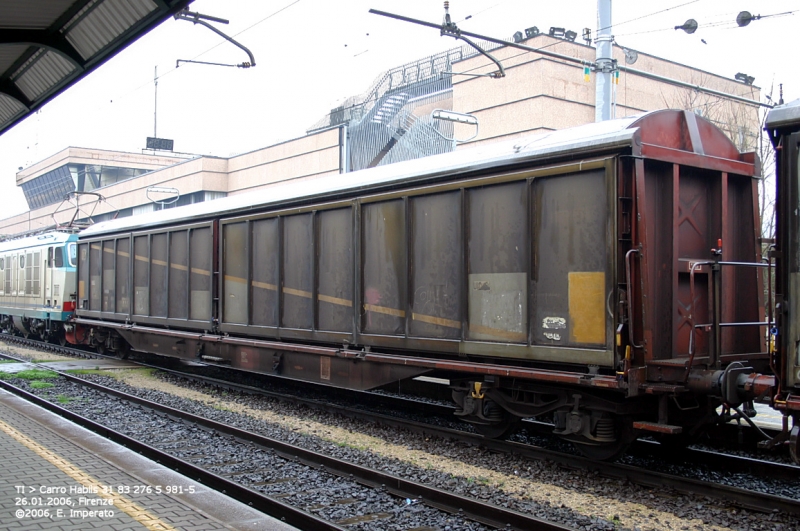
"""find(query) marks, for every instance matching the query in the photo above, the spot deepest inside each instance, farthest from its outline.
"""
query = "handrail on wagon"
(716, 323)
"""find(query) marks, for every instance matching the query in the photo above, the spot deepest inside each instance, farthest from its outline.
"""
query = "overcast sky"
(312, 54)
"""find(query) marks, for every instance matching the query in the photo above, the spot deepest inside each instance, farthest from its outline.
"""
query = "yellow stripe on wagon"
(499, 333)
(335, 300)
(438, 321)
(298, 292)
(384, 310)
(264, 285)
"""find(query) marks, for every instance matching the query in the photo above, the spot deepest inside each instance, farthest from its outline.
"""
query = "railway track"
(287, 481)
(746, 498)
(731, 464)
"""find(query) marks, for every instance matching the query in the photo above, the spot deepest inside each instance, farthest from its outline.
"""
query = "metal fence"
(430, 68)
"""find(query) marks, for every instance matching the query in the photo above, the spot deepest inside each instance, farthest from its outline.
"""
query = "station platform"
(59, 476)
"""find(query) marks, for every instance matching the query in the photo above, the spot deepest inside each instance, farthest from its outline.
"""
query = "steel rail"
(473, 509)
(640, 448)
(751, 500)
(266, 504)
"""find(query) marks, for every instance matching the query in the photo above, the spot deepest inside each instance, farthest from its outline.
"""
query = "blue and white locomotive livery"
(37, 277)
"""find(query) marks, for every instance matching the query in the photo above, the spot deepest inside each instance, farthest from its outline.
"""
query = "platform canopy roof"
(48, 45)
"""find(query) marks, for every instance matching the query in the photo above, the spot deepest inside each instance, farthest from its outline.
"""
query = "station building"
(392, 121)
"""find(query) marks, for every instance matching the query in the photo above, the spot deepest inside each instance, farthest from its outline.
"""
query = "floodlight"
(744, 18)
(690, 26)
(558, 33)
(518, 37)
(744, 78)
(450, 116)
(570, 36)
(532, 32)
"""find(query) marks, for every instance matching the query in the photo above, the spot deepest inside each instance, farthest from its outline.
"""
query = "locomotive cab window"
(58, 257)
(72, 251)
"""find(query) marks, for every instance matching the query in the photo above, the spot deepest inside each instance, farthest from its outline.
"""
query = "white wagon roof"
(578, 139)
(786, 114)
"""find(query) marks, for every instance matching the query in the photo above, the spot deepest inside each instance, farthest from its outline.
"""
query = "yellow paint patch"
(135, 511)
(587, 307)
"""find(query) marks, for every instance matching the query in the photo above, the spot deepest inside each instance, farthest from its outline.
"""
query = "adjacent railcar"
(783, 124)
(608, 277)
(37, 278)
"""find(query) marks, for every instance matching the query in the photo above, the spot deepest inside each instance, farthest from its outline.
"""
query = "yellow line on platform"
(135, 511)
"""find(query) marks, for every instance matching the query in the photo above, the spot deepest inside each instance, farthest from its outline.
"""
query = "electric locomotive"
(37, 284)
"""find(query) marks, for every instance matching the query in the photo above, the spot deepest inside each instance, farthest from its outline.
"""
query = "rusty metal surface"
(335, 297)
(159, 275)
(174, 337)
(122, 277)
(297, 288)
(569, 228)
(436, 276)
(385, 277)
(200, 272)
(498, 286)
(265, 266)
(234, 273)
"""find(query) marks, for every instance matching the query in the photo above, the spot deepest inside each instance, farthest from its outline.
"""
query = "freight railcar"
(37, 277)
(608, 277)
(783, 124)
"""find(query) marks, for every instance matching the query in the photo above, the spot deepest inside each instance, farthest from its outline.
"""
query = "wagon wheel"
(60, 338)
(610, 451)
(123, 351)
(499, 430)
(603, 452)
